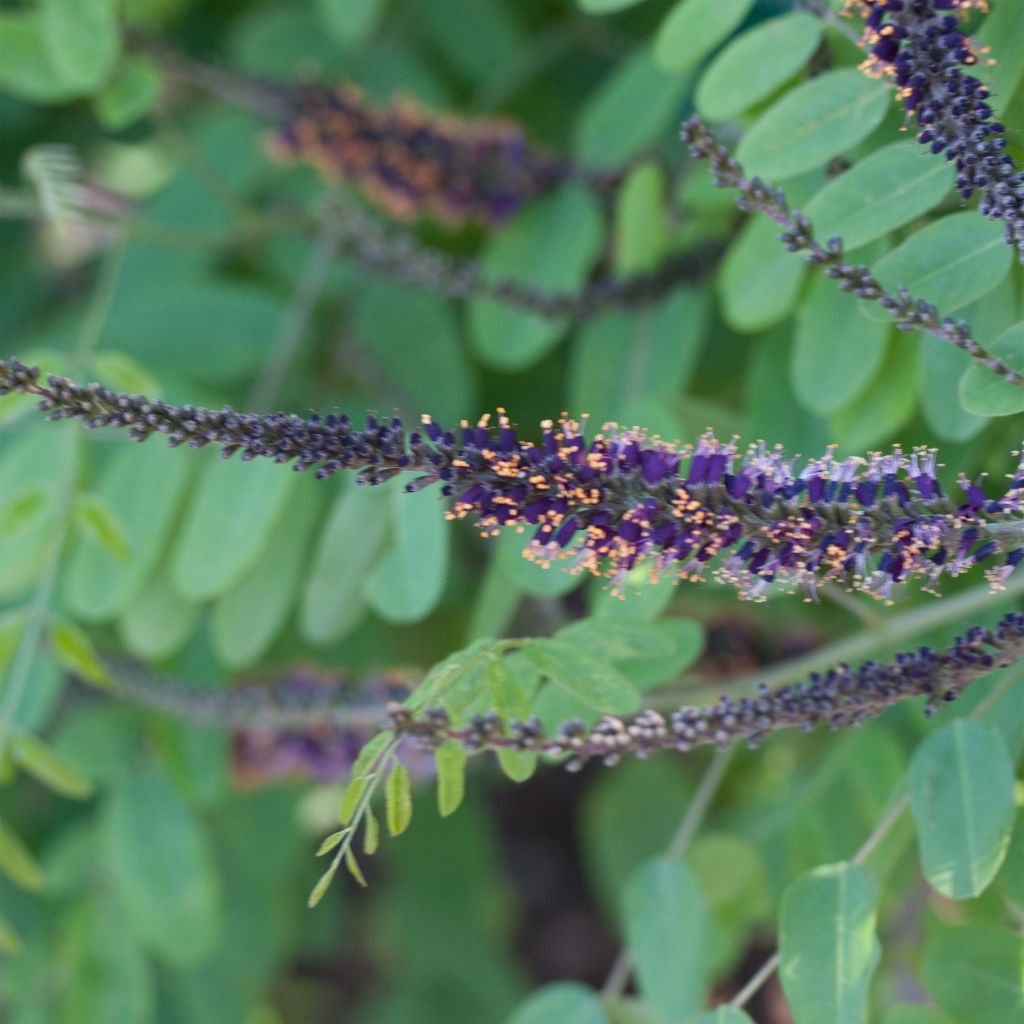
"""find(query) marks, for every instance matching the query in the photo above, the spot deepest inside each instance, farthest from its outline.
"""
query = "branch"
(843, 697)
(607, 504)
(798, 234)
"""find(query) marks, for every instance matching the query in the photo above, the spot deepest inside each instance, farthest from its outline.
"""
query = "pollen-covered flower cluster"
(843, 696)
(921, 45)
(411, 161)
(752, 517)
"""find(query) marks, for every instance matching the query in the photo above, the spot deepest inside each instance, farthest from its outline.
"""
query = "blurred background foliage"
(175, 890)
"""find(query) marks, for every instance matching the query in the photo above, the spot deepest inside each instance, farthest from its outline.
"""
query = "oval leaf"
(961, 793)
(552, 245)
(812, 123)
(161, 866)
(450, 760)
(950, 262)
(39, 760)
(398, 800)
(987, 394)
(565, 1002)
(828, 945)
(755, 64)
(583, 675)
(666, 921)
(892, 187)
(693, 28)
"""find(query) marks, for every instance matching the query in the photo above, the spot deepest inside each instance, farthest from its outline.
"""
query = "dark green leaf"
(628, 112)
(974, 974)
(552, 244)
(161, 866)
(131, 94)
(961, 793)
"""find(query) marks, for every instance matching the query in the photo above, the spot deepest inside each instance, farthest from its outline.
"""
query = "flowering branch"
(798, 235)
(607, 504)
(919, 44)
(844, 696)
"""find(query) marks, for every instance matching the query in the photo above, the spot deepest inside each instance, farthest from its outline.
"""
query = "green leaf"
(82, 40)
(819, 119)
(98, 519)
(322, 885)
(130, 95)
(332, 602)
(408, 581)
(248, 618)
(912, 1013)
(630, 111)
(353, 868)
(409, 334)
(398, 800)
(12, 625)
(641, 224)
(17, 862)
(723, 1015)
(27, 70)
(974, 974)
(606, 6)
(22, 510)
(583, 675)
(665, 922)
(1002, 33)
(9, 941)
(510, 700)
(758, 281)
(122, 372)
(885, 405)
(108, 978)
(157, 621)
(228, 524)
(564, 1002)
(961, 793)
(828, 944)
(529, 576)
(364, 771)
(985, 393)
(621, 362)
(371, 832)
(163, 869)
(693, 28)
(552, 244)
(755, 64)
(942, 366)
(950, 262)
(891, 187)
(145, 486)
(836, 349)
(618, 639)
(332, 841)
(450, 759)
(76, 653)
(40, 761)
(350, 22)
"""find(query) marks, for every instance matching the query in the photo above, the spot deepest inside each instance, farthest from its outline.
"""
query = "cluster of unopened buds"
(411, 161)
(921, 45)
(753, 517)
(841, 697)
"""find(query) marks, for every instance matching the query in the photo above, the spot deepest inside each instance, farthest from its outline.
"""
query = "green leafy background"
(141, 882)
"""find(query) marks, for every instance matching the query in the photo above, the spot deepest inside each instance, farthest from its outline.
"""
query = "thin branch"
(909, 312)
